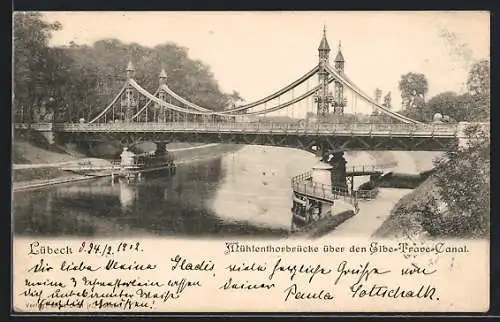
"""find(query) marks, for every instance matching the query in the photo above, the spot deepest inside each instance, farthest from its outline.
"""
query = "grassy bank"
(403, 222)
(423, 212)
(29, 148)
(401, 180)
(454, 201)
(20, 175)
(326, 224)
(27, 152)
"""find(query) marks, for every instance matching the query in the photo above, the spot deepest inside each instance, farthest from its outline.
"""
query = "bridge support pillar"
(161, 148)
(49, 136)
(350, 181)
(338, 172)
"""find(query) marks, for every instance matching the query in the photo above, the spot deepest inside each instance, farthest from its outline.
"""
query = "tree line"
(473, 105)
(78, 81)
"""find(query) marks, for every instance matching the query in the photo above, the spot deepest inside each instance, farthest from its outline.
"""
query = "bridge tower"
(339, 102)
(162, 115)
(130, 101)
(323, 97)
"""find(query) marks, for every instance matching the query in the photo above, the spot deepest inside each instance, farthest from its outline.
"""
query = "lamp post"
(51, 108)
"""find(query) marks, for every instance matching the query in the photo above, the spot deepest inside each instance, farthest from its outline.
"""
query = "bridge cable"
(183, 100)
(145, 106)
(279, 102)
(367, 98)
(246, 106)
(295, 100)
(110, 104)
(308, 101)
(285, 89)
(168, 105)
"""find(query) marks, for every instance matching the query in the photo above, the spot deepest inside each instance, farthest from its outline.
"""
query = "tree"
(478, 79)
(234, 98)
(478, 86)
(387, 100)
(102, 73)
(413, 87)
(463, 182)
(81, 80)
(378, 95)
(31, 55)
(446, 103)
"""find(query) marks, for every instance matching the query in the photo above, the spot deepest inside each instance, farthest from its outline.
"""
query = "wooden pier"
(313, 201)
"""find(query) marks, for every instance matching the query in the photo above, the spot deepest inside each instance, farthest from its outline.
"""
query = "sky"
(257, 53)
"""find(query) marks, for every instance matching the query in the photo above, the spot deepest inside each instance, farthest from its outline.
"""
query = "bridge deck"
(358, 129)
(318, 191)
(363, 173)
(307, 136)
(303, 185)
(368, 170)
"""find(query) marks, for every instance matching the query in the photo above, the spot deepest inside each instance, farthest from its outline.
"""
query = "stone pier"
(49, 136)
(335, 158)
(161, 148)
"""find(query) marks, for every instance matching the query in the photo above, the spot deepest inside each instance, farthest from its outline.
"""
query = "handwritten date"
(93, 248)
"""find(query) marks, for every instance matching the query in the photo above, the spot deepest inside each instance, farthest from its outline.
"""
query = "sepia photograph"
(251, 124)
(280, 161)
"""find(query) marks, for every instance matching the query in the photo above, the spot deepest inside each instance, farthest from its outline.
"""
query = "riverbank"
(402, 222)
(40, 183)
(453, 202)
(26, 178)
(372, 214)
(375, 217)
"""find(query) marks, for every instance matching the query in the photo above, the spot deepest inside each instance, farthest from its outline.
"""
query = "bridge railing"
(332, 128)
(303, 184)
(371, 168)
(259, 126)
(366, 194)
(35, 126)
(320, 191)
(89, 166)
(302, 177)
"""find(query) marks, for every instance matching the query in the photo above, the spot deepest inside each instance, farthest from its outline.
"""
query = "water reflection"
(125, 192)
(163, 205)
(243, 193)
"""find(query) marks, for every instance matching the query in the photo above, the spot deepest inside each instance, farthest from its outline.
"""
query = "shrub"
(463, 183)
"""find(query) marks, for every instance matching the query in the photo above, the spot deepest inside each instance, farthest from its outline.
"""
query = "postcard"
(250, 162)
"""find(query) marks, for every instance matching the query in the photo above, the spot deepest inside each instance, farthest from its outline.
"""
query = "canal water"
(243, 193)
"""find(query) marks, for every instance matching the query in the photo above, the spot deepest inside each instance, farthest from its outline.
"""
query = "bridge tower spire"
(163, 96)
(130, 101)
(163, 77)
(339, 102)
(339, 60)
(130, 70)
(323, 97)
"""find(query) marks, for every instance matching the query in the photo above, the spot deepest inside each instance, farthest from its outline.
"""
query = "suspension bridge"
(163, 116)
(313, 113)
